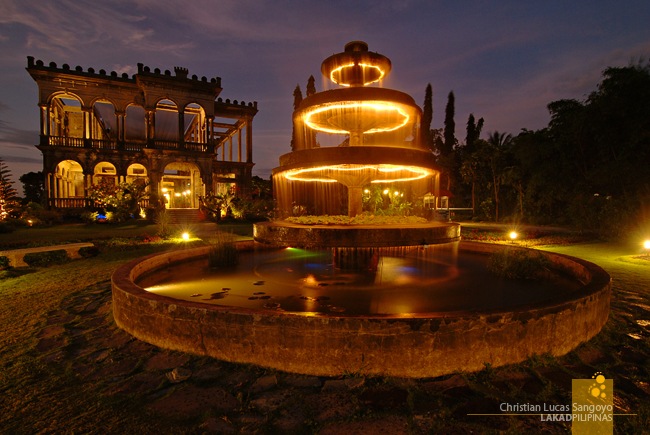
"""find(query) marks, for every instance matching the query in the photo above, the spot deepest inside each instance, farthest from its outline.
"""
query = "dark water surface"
(413, 280)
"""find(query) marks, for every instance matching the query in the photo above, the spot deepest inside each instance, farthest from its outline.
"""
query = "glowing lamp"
(185, 236)
(513, 235)
(646, 245)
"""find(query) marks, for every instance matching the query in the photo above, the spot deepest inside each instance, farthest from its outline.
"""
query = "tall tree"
(473, 133)
(497, 157)
(33, 186)
(8, 195)
(427, 118)
(450, 126)
(311, 90)
(311, 86)
(297, 99)
(445, 144)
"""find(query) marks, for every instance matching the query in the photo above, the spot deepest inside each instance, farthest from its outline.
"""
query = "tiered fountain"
(375, 299)
(380, 146)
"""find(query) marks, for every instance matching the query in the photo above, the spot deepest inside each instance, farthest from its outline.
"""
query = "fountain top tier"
(356, 66)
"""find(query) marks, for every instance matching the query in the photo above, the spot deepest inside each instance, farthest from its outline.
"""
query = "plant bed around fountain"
(422, 345)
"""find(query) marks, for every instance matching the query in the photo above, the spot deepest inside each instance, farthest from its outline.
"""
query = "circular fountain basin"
(423, 344)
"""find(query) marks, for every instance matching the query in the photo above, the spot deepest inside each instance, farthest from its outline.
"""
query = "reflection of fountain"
(331, 317)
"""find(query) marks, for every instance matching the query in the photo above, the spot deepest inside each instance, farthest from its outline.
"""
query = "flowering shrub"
(121, 200)
(362, 219)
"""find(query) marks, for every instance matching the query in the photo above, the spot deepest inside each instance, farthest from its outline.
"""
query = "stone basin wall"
(422, 345)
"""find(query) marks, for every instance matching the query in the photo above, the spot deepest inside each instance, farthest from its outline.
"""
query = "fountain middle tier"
(360, 113)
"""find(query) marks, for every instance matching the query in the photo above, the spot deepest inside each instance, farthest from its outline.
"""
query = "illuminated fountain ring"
(357, 111)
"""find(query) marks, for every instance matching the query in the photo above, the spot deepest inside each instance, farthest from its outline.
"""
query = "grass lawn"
(65, 366)
(40, 236)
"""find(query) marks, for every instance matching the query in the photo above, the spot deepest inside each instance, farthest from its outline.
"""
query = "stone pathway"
(87, 376)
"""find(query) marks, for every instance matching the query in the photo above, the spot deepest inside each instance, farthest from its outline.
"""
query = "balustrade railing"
(83, 203)
(166, 144)
(104, 144)
(129, 145)
(67, 202)
(196, 146)
(64, 141)
(134, 146)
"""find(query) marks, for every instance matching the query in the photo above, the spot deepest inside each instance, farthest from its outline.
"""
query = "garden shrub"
(40, 215)
(164, 222)
(4, 262)
(88, 251)
(518, 264)
(48, 258)
(6, 227)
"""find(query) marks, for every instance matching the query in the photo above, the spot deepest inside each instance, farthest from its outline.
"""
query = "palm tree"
(497, 157)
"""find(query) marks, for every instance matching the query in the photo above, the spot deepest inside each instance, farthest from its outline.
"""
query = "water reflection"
(398, 281)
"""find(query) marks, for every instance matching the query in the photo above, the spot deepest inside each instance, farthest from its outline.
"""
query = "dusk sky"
(504, 60)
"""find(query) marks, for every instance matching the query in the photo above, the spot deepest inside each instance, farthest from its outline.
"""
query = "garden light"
(185, 236)
(513, 235)
(646, 246)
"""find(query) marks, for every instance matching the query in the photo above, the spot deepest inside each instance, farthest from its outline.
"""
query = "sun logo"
(597, 389)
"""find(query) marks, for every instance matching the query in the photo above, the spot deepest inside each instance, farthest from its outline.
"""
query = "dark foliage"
(45, 259)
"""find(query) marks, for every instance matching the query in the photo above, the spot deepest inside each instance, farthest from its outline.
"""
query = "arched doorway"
(181, 185)
(135, 127)
(66, 185)
(105, 173)
(66, 121)
(136, 173)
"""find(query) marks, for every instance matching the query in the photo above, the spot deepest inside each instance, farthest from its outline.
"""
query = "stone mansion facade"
(171, 131)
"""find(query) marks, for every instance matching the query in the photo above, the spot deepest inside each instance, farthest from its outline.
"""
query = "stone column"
(181, 128)
(239, 133)
(249, 140)
(355, 200)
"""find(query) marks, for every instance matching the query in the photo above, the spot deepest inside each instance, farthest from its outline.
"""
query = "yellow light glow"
(646, 244)
(164, 190)
(513, 235)
(386, 191)
(302, 174)
(185, 236)
(377, 106)
(337, 72)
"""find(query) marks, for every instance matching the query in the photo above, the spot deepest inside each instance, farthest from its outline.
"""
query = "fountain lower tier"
(356, 167)
(404, 345)
(357, 155)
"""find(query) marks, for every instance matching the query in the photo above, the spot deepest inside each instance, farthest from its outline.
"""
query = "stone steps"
(184, 215)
